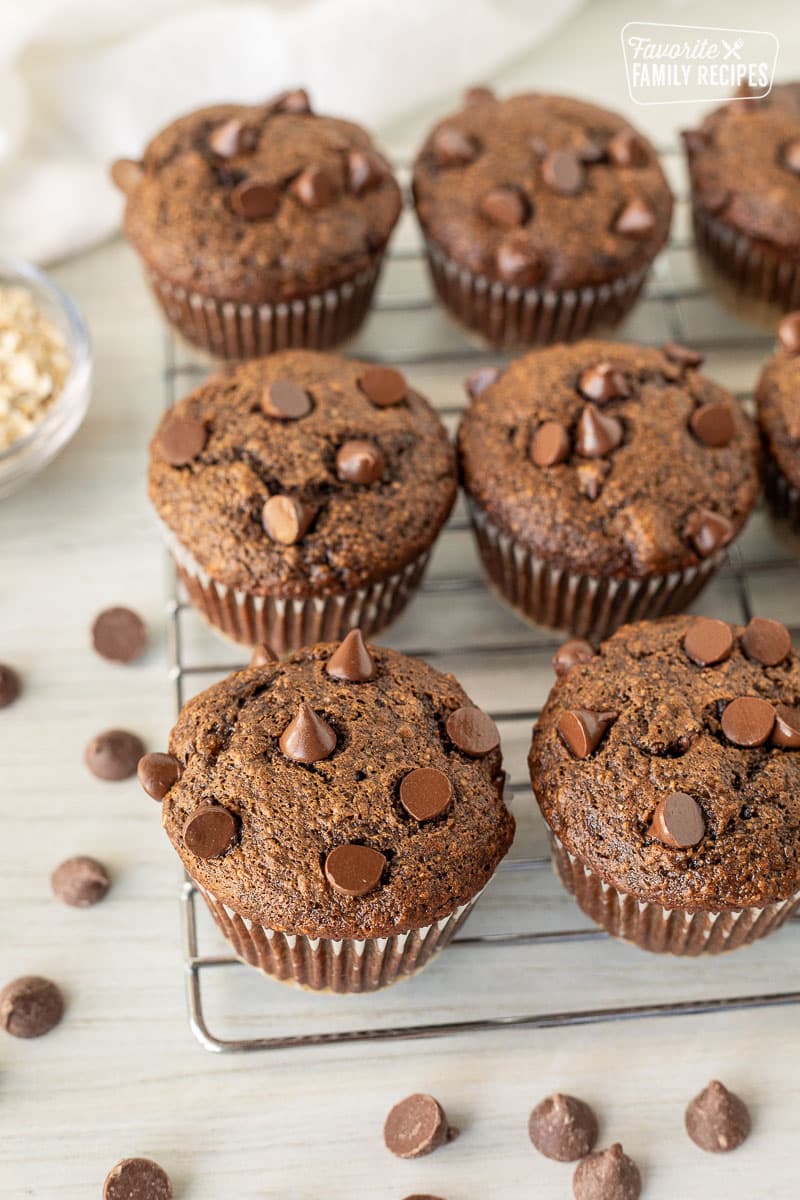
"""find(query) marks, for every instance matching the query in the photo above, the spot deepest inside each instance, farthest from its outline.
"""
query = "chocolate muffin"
(778, 402)
(261, 227)
(340, 812)
(668, 772)
(542, 216)
(605, 481)
(300, 496)
(744, 166)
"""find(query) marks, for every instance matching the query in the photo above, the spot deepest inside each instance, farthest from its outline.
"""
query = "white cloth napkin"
(85, 81)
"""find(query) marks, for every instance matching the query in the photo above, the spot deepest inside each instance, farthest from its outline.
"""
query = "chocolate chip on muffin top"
(778, 400)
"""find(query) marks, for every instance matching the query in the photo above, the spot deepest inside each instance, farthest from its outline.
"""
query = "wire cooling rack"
(456, 624)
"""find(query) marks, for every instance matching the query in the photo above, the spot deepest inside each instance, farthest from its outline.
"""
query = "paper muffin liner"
(664, 930)
(783, 497)
(587, 606)
(750, 266)
(509, 316)
(231, 330)
(286, 623)
(344, 966)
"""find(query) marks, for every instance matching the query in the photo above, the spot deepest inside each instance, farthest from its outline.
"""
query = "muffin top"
(608, 459)
(302, 473)
(744, 161)
(778, 400)
(669, 762)
(259, 203)
(542, 190)
(351, 794)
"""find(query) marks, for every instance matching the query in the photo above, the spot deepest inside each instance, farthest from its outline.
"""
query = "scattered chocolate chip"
(360, 462)
(582, 730)
(591, 151)
(570, 654)
(748, 721)
(425, 793)
(9, 685)
(591, 476)
(137, 1179)
(626, 149)
(717, 1120)
(383, 386)
(767, 642)
(452, 148)
(597, 433)
(563, 172)
(416, 1126)
(364, 171)
(354, 870)
(602, 383)
(231, 138)
(473, 731)
(607, 1175)
(479, 93)
(127, 174)
(550, 444)
(80, 882)
(30, 1006)
(683, 356)
(114, 754)
(262, 655)
(708, 531)
(119, 634)
(181, 439)
(480, 380)
(789, 333)
(708, 641)
(713, 423)
(791, 156)
(285, 400)
(209, 831)
(296, 100)
(519, 263)
(636, 219)
(314, 187)
(678, 821)
(786, 733)
(307, 738)
(157, 773)
(286, 519)
(351, 661)
(563, 1128)
(505, 206)
(255, 199)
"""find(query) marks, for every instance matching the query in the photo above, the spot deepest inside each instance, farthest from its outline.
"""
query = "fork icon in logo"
(732, 48)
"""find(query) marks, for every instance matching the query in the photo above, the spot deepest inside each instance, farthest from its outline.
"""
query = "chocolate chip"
(261, 656)
(157, 773)
(231, 138)
(626, 149)
(505, 206)
(607, 1175)
(255, 199)
(550, 444)
(636, 219)
(538, 145)
(597, 433)
(563, 172)
(571, 654)
(767, 642)
(137, 1179)
(717, 1120)
(748, 721)
(416, 1126)
(80, 882)
(708, 531)
(383, 386)
(354, 870)
(791, 156)
(789, 333)
(365, 171)
(314, 187)
(678, 821)
(519, 263)
(563, 1128)
(473, 731)
(591, 151)
(683, 356)
(30, 1006)
(209, 831)
(296, 100)
(582, 730)
(127, 174)
(452, 148)
(119, 634)
(351, 661)
(181, 439)
(307, 738)
(602, 383)
(286, 519)
(114, 754)
(425, 793)
(285, 400)
(9, 685)
(591, 476)
(713, 424)
(786, 733)
(479, 93)
(708, 641)
(480, 380)
(360, 462)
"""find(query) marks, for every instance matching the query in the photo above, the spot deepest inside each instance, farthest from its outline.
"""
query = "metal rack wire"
(180, 374)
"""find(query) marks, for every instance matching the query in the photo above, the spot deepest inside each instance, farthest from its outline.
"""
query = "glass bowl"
(20, 461)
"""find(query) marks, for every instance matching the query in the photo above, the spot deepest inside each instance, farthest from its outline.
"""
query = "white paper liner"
(755, 269)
